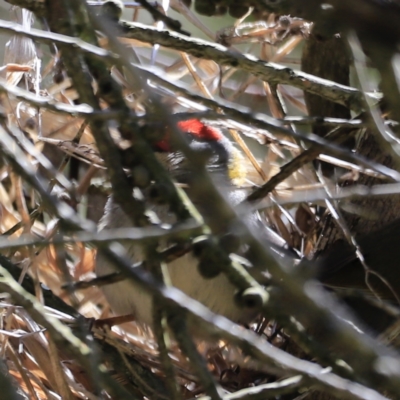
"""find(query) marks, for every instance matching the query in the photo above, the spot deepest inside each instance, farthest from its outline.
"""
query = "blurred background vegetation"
(309, 92)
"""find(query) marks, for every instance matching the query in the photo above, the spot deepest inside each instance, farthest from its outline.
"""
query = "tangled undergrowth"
(75, 102)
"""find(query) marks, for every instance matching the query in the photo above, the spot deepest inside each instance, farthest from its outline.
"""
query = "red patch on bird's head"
(199, 130)
(196, 128)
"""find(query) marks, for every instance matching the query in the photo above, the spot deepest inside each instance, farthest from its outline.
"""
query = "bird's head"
(223, 158)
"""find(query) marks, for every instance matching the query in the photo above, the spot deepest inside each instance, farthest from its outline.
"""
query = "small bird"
(338, 268)
(225, 165)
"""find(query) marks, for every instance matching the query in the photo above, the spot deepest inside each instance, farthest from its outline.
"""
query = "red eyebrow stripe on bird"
(194, 127)
(202, 131)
